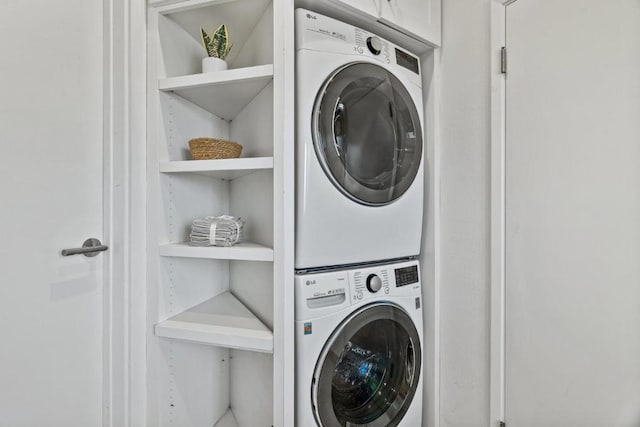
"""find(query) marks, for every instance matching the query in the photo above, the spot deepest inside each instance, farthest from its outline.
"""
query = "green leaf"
(206, 41)
(220, 42)
(226, 51)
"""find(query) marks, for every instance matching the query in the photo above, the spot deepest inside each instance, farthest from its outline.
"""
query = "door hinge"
(503, 67)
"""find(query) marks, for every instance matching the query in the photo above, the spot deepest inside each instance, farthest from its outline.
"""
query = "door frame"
(124, 164)
(497, 207)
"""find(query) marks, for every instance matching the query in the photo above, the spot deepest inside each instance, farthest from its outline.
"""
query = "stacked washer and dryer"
(359, 202)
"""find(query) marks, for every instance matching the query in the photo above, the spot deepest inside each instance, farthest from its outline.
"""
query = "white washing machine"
(359, 347)
(359, 146)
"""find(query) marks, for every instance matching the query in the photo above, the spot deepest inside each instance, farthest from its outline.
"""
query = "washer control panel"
(406, 275)
(365, 283)
(377, 281)
(324, 292)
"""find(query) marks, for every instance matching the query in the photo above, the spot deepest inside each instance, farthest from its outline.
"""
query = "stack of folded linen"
(224, 230)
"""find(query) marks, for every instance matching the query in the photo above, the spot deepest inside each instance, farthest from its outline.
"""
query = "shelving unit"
(217, 315)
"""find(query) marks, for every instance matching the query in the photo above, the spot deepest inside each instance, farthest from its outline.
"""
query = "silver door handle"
(89, 248)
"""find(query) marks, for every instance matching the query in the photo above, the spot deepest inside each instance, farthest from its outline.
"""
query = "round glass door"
(366, 133)
(369, 369)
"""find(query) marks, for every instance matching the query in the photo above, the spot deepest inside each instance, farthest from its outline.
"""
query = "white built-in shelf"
(221, 169)
(223, 93)
(227, 420)
(241, 16)
(244, 251)
(222, 321)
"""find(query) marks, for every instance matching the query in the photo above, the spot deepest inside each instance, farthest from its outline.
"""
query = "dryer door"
(369, 370)
(367, 134)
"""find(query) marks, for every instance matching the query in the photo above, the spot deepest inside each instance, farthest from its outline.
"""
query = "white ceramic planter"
(210, 64)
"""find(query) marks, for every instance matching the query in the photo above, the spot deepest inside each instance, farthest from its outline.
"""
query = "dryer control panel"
(321, 33)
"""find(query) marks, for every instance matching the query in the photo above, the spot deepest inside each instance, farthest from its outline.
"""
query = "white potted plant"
(217, 47)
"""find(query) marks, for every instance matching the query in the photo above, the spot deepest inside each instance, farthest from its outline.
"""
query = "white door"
(51, 163)
(573, 213)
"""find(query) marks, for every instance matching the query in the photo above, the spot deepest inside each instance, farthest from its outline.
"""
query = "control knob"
(374, 283)
(375, 45)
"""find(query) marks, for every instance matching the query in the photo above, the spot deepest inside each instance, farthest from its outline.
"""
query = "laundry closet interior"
(221, 324)
(440, 219)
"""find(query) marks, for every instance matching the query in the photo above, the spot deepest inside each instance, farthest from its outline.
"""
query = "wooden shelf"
(223, 93)
(242, 251)
(221, 321)
(221, 169)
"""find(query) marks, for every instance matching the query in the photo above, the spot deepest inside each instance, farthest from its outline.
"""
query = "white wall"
(465, 166)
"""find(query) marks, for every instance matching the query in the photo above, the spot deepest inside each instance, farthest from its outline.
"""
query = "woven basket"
(212, 148)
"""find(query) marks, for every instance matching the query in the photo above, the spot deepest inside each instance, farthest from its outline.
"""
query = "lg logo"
(310, 282)
(310, 16)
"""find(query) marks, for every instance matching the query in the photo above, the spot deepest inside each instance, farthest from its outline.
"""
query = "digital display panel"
(406, 276)
(407, 61)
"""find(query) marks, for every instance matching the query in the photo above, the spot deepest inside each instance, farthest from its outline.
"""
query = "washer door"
(366, 133)
(368, 371)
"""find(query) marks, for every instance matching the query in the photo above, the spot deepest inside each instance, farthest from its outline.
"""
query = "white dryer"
(359, 347)
(359, 146)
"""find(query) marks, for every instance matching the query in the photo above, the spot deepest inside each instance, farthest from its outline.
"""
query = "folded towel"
(224, 230)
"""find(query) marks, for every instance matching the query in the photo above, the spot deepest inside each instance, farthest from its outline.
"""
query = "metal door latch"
(90, 248)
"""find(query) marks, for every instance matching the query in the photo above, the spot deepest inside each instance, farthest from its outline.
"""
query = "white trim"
(436, 236)
(124, 164)
(497, 251)
(430, 245)
(283, 211)
(434, 419)
(109, 239)
(137, 98)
